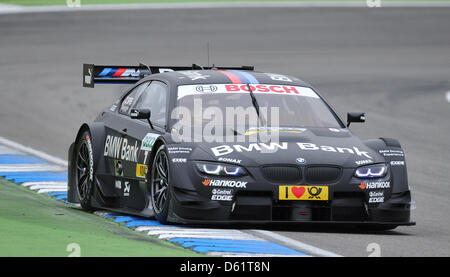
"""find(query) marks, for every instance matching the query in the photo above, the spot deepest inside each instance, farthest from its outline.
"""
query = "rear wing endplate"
(117, 74)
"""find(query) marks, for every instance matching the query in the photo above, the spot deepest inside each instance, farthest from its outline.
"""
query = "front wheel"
(84, 170)
(160, 185)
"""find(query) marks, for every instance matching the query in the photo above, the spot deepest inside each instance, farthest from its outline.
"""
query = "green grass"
(87, 2)
(33, 225)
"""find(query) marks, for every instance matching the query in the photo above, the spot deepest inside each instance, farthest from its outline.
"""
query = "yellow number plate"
(141, 170)
(303, 193)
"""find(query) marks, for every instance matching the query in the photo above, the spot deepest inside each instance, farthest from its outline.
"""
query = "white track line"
(149, 228)
(14, 9)
(7, 150)
(51, 190)
(203, 236)
(178, 228)
(447, 96)
(48, 183)
(309, 249)
(189, 232)
(29, 167)
(32, 151)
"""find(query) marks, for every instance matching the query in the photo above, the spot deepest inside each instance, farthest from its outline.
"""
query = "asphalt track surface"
(392, 63)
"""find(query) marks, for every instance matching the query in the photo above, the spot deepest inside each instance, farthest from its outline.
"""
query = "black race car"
(229, 144)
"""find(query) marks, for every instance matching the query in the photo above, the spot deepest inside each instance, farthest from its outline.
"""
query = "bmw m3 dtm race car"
(229, 144)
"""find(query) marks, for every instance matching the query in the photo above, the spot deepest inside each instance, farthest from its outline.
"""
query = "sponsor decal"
(88, 76)
(118, 148)
(224, 183)
(362, 162)
(229, 160)
(179, 150)
(118, 184)
(119, 72)
(222, 194)
(128, 101)
(91, 158)
(303, 192)
(376, 197)
(179, 160)
(206, 88)
(390, 153)
(113, 108)
(148, 141)
(395, 163)
(243, 88)
(126, 189)
(375, 185)
(118, 168)
(258, 130)
(262, 147)
(141, 170)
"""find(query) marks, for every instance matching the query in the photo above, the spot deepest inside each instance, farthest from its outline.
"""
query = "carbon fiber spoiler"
(118, 74)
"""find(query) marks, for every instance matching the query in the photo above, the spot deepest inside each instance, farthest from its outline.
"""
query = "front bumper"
(197, 198)
(262, 208)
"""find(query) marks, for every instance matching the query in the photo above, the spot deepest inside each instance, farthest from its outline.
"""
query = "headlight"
(220, 169)
(372, 171)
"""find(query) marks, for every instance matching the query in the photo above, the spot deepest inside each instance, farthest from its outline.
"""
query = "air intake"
(282, 173)
(322, 174)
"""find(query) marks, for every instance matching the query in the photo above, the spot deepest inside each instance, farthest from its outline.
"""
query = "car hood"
(309, 146)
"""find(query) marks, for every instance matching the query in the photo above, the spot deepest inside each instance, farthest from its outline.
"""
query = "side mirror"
(355, 117)
(140, 114)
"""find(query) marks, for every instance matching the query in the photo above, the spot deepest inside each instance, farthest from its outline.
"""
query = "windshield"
(281, 106)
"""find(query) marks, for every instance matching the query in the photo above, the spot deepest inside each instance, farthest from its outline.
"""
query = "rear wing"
(117, 74)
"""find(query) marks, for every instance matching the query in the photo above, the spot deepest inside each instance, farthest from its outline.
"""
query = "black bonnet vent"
(323, 174)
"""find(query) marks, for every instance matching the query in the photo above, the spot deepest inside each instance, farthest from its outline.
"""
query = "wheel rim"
(160, 182)
(82, 169)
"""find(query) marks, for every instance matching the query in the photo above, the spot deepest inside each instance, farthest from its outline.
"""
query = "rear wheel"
(84, 170)
(160, 185)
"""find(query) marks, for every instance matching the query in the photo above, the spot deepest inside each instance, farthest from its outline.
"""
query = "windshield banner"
(243, 88)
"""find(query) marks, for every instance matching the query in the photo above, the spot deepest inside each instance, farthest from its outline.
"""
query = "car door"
(139, 141)
(121, 151)
(154, 98)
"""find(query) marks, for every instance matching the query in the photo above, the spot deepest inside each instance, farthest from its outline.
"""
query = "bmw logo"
(300, 160)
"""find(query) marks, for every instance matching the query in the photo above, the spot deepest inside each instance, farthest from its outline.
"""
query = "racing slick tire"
(160, 189)
(84, 170)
